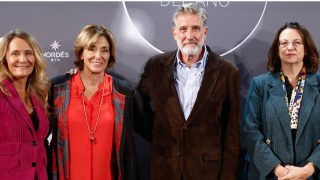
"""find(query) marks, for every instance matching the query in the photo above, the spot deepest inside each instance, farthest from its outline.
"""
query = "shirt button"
(268, 141)
(34, 164)
(34, 143)
(179, 154)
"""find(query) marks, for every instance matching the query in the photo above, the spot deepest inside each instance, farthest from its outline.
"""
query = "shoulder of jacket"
(163, 57)
(317, 74)
(263, 78)
(122, 85)
(221, 61)
(60, 79)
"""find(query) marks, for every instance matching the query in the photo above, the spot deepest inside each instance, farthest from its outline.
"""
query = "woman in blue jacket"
(282, 124)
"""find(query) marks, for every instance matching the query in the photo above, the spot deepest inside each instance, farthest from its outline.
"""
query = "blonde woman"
(23, 120)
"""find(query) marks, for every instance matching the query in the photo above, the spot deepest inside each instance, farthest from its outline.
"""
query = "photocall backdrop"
(240, 31)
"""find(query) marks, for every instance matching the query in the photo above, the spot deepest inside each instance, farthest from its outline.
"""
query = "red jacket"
(22, 150)
(125, 167)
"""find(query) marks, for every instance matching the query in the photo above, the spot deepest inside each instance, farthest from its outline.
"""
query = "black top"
(289, 89)
(35, 120)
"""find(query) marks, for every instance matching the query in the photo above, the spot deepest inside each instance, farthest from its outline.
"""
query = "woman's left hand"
(298, 173)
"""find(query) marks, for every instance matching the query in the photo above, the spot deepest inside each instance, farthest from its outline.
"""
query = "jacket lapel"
(308, 99)
(17, 104)
(208, 84)
(173, 100)
(277, 97)
(42, 116)
(118, 101)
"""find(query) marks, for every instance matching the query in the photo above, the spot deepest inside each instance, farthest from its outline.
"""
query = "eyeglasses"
(284, 44)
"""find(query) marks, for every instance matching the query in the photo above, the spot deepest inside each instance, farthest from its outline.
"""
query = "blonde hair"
(87, 37)
(38, 82)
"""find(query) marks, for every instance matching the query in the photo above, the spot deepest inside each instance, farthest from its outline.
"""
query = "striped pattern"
(20, 145)
(267, 131)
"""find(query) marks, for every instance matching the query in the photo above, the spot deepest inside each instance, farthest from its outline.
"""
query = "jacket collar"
(210, 77)
(209, 80)
(14, 99)
(277, 96)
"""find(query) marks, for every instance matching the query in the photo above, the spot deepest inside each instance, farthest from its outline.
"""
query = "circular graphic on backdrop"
(230, 24)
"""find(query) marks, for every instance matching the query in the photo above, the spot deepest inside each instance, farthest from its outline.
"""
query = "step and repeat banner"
(240, 31)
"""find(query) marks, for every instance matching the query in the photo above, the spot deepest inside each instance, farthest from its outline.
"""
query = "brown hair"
(311, 58)
(87, 37)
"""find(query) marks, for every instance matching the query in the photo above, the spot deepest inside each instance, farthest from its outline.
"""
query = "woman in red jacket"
(92, 135)
(23, 119)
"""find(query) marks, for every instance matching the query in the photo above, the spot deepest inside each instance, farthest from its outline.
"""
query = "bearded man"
(193, 95)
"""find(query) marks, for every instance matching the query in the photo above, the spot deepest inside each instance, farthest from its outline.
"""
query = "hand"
(296, 173)
(280, 171)
(72, 71)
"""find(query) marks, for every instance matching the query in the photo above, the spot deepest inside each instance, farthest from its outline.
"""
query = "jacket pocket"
(211, 155)
(9, 156)
(9, 149)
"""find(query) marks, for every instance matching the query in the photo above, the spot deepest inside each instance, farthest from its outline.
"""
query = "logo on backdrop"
(230, 24)
(56, 55)
(204, 3)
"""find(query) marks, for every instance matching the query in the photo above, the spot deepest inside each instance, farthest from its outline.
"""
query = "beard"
(190, 51)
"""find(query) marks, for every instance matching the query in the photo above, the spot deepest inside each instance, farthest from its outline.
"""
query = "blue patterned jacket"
(267, 131)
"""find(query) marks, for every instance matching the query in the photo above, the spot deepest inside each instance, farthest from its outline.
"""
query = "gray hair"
(190, 8)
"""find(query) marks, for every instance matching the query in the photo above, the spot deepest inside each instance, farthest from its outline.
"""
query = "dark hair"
(87, 37)
(311, 58)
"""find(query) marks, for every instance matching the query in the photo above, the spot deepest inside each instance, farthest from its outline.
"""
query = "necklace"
(92, 139)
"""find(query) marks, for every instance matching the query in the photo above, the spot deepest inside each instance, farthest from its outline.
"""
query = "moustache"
(195, 43)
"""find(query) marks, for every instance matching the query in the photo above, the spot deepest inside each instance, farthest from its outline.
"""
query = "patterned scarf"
(296, 97)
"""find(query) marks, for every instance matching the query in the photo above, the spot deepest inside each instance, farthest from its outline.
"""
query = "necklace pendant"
(92, 139)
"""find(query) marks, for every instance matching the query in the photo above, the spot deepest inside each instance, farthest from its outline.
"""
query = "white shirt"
(188, 81)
